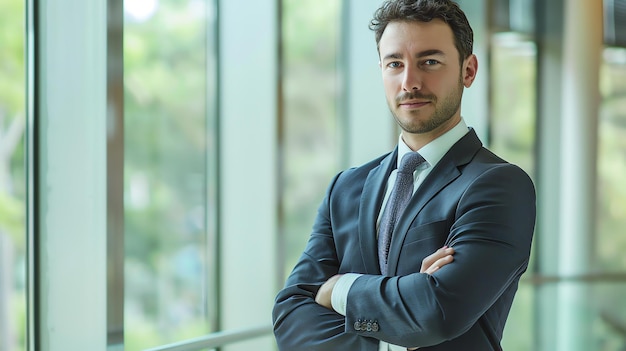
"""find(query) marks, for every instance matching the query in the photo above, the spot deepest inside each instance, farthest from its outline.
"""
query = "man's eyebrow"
(392, 56)
(430, 53)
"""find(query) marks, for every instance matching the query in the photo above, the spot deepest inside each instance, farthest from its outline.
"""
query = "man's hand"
(325, 292)
(430, 265)
(438, 259)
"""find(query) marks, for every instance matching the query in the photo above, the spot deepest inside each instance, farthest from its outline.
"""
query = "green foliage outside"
(165, 142)
(610, 241)
(311, 33)
(12, 177)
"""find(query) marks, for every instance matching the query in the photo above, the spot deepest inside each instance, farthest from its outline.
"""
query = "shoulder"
(489, 167)
(363, 170)
(354, 178)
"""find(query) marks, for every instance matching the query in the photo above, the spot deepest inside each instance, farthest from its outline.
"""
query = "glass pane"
(311, 89)
(611, 241)
(513, 81)
(12, 177)
(518, 334)
(169, 237)
(599, 322)
(609, 317)
(513, 77)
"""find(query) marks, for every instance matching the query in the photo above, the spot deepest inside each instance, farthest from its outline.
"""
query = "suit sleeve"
(299, 322)
(491, 234)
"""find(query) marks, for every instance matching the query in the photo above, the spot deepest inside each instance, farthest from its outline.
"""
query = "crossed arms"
(430, 265)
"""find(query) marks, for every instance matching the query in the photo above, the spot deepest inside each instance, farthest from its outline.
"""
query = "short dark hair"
(426, 11)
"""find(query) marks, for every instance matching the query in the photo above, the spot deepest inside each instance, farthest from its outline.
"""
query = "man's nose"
(411, 80)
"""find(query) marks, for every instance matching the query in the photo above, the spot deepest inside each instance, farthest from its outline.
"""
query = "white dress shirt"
(432, 152)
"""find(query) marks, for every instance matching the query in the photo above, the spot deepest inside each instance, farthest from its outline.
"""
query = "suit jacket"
(472, 200)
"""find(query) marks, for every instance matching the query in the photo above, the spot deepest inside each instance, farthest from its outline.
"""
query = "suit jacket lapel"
(443, 174)
(371, 199)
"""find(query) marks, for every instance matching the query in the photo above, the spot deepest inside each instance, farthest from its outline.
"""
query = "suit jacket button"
(375, 326)
(357, 325)
(368, 326)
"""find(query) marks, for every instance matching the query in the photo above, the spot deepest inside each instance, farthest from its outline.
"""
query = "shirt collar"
(434, 151)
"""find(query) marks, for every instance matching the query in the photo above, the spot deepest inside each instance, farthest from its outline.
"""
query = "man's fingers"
(439, 263)
(442, 252)
(437, 260)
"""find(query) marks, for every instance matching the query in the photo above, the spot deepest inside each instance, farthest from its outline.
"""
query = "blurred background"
(162, 161)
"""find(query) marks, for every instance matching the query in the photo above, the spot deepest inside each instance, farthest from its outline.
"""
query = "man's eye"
(394, 64)
(431, 62)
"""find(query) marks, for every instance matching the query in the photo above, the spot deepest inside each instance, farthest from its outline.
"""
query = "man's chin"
(417, 131)
(415, 126)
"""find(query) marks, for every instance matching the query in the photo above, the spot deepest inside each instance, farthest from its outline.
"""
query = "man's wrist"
(339, 296)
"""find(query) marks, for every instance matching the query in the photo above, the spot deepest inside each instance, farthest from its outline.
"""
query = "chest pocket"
(420, 242)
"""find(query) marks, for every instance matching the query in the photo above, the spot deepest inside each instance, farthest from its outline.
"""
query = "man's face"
(422, 76)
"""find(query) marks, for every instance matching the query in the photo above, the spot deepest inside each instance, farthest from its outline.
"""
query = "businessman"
(421, 248)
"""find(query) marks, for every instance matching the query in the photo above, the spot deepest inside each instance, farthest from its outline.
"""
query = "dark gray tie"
(399, 198)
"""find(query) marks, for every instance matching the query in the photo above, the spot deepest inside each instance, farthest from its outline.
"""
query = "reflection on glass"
(12, 178)
(168, 247)
(513, 77)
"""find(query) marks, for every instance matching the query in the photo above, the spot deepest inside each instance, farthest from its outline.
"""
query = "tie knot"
(409, 162)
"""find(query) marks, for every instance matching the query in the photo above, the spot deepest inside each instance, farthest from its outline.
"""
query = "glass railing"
(214, 340)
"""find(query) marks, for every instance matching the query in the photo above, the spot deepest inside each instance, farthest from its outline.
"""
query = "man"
(356, 288)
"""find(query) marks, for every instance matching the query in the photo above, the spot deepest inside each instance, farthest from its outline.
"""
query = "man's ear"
(470, 67)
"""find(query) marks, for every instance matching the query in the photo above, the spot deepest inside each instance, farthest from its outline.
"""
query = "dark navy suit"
(472, 200)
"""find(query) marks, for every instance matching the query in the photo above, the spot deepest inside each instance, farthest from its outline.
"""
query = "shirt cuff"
(339, 296)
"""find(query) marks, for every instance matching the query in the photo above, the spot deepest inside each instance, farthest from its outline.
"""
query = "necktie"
(399, 198)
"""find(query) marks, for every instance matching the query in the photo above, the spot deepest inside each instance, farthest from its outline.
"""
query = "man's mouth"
(412, 104)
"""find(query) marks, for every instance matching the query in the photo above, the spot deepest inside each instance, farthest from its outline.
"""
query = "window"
(12, 178)
(311, 91)
(169, 172)
(610, 242)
